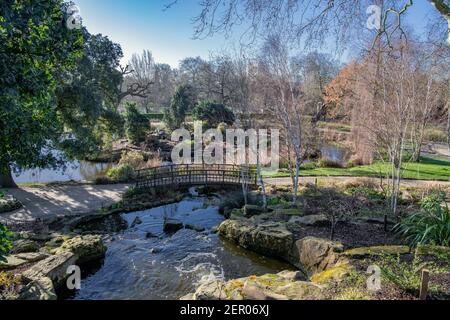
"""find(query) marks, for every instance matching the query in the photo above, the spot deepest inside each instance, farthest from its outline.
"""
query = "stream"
(145, 263)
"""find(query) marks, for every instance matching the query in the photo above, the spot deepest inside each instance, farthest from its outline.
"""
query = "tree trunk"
(6, 179)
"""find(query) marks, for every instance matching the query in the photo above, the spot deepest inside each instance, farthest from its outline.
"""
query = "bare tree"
(282, 83)
(307, 20)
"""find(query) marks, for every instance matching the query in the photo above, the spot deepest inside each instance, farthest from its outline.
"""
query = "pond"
(335, 153)
(169, 266)
(76, 171)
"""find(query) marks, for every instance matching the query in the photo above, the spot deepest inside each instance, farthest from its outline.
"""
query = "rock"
(363, 252)
(188, 297)
(156, 250)
(251, 210)
(40, 236)
(335, 273)
(271, 239)
(135, 222)
(313, 255)
(253, 292)
(39, 289)
(12, 262)
(292, 275)
(32, 256)
(86, 248)
(54, 267)
(9, 204)
(23, 246)
(149, 235)
(172, 225)
(194, 227)
(316, 220)
(266, 287)
(213, 290)
(287, 214)
(438, 251)
(106, 223)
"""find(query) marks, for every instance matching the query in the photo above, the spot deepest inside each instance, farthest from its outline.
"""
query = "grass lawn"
(426, 169)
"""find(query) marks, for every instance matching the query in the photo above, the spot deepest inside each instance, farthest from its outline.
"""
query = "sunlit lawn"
(427, 169)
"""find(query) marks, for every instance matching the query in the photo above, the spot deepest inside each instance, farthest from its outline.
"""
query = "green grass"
(426, 169)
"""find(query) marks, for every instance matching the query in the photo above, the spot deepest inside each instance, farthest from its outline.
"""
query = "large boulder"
(271, 239)
(98, 223)
(251, 210)
(172, 225)
(313, 255)
(24, 246)
(17, 260)
(38, 289)
(86, 248)
(54, 267)
(281, 286)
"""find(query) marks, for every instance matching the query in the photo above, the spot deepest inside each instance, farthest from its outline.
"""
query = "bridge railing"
(193, 174)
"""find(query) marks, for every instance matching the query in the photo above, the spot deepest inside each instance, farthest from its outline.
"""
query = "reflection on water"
(145, 263)
(75, 171)
(335, 153)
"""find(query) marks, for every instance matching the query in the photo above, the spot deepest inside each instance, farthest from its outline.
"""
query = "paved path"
(71, 200)
(62, 200)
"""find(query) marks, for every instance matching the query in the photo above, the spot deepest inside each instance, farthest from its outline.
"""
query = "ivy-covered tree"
(213, 113)
(35, 47)
(182, 102)
(92, 89)
(137, 125)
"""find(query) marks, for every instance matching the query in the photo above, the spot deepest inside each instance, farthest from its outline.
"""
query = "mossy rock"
(376, 250)
(336, 274)
(437, 251)
(289, 212)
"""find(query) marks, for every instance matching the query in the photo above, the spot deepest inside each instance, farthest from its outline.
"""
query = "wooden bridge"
(192, 174)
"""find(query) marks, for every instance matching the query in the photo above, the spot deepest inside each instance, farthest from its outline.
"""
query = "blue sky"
(143, 24)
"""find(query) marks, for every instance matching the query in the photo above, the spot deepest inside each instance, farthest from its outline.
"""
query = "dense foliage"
(35, 47)
(212, 114)
(182, 102)
(429, 226)
(137, 125)
(5, 241)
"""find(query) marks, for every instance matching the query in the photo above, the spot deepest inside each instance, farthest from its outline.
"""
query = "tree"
(182, 102)
(136, 124)
(282, 85)
(307, 21)
(212, 114)
(35, 47)
(87, 98)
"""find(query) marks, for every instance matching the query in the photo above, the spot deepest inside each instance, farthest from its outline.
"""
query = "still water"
(144, 263)
(75, 171)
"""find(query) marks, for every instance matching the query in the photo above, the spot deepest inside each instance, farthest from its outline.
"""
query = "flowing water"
(143, 262)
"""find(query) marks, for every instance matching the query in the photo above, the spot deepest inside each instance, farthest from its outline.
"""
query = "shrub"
(327, 163)
(431, 225)
(5, 241)
(134, 159)
(435, 135)
(137, 125)
(309, 166)
(406, 274)
(212, 114)
(122, 173)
